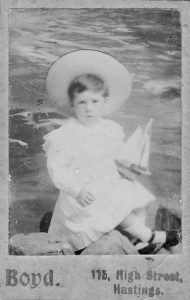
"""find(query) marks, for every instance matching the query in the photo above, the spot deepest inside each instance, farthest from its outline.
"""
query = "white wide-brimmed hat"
(80, 62)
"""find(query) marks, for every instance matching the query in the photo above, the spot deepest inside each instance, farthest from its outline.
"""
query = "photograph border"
(72, 275)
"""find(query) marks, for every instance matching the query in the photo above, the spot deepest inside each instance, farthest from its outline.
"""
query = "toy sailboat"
(137, 149)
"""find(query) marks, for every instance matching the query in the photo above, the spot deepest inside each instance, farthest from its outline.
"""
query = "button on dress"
(80, 156)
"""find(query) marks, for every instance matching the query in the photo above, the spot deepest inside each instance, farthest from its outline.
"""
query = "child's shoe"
(146, 248)
(173, 237)
(155, 243)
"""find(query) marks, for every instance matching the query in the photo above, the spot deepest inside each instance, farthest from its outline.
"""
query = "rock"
(36, 243)
(173, 250)
(112, 243)
(164, 88)
(167, 220)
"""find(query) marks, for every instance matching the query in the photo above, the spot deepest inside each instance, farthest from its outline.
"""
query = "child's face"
(88, 106)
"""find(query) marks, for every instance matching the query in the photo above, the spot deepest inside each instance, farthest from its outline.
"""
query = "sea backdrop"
(147, 42)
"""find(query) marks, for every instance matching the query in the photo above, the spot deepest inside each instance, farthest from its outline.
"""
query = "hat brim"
(75, 63)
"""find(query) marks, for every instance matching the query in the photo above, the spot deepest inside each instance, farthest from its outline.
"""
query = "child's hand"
(125, 171)
(85, 197)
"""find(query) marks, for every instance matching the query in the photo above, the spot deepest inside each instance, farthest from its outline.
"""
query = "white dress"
(84, 156)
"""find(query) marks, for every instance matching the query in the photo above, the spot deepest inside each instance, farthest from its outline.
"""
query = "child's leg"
(141, 214)
(134, 226)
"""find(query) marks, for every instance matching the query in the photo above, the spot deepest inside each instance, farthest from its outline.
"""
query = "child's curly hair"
(87, 82)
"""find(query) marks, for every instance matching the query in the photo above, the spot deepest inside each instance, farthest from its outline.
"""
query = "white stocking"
(134, 226)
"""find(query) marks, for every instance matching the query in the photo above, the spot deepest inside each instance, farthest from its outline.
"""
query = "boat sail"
(137, 149)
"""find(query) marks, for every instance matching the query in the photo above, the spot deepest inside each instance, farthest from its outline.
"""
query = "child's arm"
(59, 167)
(63, 175)
(126, 170)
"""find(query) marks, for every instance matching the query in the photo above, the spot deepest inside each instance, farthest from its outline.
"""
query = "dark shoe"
(145, 248)
(173, 237)
(149, 249)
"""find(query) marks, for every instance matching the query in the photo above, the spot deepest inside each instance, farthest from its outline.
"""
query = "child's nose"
(88, 106)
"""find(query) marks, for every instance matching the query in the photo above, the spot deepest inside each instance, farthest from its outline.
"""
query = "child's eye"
(81, 102)
(95, 101)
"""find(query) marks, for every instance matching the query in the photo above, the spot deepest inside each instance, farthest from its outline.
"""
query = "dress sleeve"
(117, 138)
(120, 148)
(59, 157)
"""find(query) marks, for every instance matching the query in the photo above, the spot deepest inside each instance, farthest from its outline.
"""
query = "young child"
(81, 158)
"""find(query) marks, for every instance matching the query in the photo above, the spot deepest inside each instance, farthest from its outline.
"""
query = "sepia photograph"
(95, 131)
